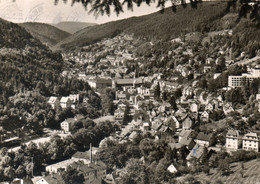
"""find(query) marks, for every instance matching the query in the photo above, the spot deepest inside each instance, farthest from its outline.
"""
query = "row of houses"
(70, 101)
(248, 142)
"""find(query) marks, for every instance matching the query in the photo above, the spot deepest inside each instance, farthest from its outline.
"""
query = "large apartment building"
(251, 142)
(240, 80)
(232, 141)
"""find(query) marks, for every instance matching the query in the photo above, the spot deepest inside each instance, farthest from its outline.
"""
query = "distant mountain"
(46, 33)
(73, 27)
(165, 25)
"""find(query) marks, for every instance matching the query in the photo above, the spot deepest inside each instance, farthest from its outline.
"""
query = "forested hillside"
(30, 74)
(157, 25)
(47, 34)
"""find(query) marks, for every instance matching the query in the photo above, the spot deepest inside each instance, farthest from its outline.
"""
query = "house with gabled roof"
(187, 123)
(251, 141)
(203, 139)
(50, 179)
(232, 140)
(66, 124)
(172, 122)
(119, 114)
(188, 142)
(227, 108)
(204, 117)
(194, 106)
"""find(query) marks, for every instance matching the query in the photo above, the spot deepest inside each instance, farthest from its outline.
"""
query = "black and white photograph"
(129, 92)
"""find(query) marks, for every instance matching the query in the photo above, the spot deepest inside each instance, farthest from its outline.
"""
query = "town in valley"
(130, 105)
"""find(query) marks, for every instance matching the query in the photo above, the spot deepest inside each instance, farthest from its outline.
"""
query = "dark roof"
(54, 179)
(79, 154)
(203, 137)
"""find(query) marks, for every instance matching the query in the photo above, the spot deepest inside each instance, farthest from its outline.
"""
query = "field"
(251, 174)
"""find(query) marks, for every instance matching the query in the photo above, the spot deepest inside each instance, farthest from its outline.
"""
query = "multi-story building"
(251, 141)
(54, 102)
(240, 80)
(232, 139)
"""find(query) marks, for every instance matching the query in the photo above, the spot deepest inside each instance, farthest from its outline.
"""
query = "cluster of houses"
(105, 59)
(94, 171)
(70, 101)
(176, 126)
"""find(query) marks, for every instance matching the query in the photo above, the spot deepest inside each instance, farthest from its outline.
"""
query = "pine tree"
(157, 91)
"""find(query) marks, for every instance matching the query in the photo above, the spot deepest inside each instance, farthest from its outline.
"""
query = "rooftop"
(129, 81)
(233, 133)
(203, 137)
(52, 99)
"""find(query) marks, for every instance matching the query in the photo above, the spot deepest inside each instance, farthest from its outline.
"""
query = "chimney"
(90, 153)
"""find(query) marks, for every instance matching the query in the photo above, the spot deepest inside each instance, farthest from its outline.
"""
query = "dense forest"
(30, 74)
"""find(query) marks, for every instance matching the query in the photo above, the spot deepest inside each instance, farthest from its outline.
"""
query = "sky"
(45, 11)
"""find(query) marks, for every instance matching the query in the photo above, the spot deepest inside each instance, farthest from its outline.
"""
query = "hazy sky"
(45, 11)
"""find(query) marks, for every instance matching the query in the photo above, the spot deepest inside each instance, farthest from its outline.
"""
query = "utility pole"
(32, 166)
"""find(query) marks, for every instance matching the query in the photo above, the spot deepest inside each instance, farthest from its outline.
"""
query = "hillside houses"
(67, 123)
(248, 141)
(70, 101)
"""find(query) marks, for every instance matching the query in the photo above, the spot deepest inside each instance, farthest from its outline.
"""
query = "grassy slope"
(251, 174)
(45, 33)
(156, 25)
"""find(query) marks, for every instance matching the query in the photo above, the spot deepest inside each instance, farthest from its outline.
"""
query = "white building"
(238, 81)
(65, 102)
(66, 124)
(53, 101)
(232, 141)
(172, 169)
(251, 141)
